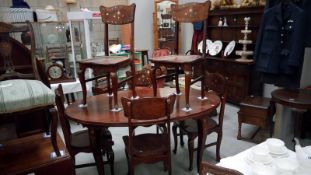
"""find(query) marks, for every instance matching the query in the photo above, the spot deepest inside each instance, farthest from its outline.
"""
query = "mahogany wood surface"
(32, 154)
(207, 168)
(296, 98)
(97, 112)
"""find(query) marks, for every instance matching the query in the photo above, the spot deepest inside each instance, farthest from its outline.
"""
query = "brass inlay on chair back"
(118, 15)
(190, 12)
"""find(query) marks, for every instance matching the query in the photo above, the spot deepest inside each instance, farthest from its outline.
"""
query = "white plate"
(208, 44)
(249, 159)
(229, 48)
(215, 48)
(52, 38)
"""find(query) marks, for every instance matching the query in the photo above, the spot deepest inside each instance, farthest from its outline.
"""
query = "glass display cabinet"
(52, 43)
(164, 27)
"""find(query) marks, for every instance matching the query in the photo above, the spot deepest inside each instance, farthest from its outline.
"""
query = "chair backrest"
(140, 113)
(190, 13)
(217, 83)
(17, 60)
(144, 77)
(118, 15)
(216, 170)
(148, 111)
(59, 96)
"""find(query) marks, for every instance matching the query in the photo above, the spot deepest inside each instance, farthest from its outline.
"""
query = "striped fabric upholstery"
(19, 94)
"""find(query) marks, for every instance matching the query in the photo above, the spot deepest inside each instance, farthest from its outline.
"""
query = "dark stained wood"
(217, 83)
(242, 79)
(32, 155)
(190, 12)
(81, 141)
(116, 15)
(119, 14)
(208, 168)
(97, 113)
(295, 98)
(256, 111)
(148, 147)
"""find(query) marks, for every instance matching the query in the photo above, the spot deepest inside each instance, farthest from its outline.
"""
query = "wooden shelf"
(240, 74)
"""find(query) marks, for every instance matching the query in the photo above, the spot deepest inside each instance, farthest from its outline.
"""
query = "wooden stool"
(256, 111)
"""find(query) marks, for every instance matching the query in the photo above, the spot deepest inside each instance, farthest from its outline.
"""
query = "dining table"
(97, 114)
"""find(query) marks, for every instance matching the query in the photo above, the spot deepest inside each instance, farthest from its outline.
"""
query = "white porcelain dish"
(229, 48)
(215, 48)
(208, 45)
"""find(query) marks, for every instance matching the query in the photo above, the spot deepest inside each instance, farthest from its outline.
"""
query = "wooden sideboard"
(243, 80)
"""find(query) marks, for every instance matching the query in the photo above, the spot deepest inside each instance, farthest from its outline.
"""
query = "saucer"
(208, 45)
(250, 159)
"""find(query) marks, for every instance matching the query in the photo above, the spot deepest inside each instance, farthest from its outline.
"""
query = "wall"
(143, 24)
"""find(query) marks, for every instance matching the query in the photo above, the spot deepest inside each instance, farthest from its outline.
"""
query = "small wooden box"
(256, 111)
(32, 155)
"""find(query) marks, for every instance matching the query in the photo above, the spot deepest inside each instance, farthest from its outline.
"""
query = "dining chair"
(148, 147)
(79, 141)
(108, 65)
(210, 169)
(186, 13)
(213, 82)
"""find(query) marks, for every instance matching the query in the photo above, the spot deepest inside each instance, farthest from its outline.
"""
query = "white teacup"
(275, 146)
(286, 166)
(261, 154)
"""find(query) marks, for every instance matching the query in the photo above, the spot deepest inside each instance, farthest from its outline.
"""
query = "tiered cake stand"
(244, 53)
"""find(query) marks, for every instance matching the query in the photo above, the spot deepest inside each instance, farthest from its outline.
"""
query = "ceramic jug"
(303, 154)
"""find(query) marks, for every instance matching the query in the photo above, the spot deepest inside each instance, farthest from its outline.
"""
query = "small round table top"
(296, 98)
(98, 113)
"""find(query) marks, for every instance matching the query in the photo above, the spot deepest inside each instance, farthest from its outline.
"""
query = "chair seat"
(80, 139)
(190, 126)
(147, 145)
(20, 95)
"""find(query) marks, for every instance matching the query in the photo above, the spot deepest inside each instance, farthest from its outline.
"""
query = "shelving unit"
(242, 80)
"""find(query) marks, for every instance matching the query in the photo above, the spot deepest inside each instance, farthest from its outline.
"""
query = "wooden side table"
(256, 111)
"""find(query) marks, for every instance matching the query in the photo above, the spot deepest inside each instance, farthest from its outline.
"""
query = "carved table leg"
(188, 75)
(177, 81)
(114, 80)
(83, 84)
(93, 134)
(154, 80)
(202, 133)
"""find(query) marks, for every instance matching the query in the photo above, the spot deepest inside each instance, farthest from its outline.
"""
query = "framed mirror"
(164, 27)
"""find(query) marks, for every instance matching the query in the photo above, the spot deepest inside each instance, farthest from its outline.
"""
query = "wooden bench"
(256, 111)
(32, 155)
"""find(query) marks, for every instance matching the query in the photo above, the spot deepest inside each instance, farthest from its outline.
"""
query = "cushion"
(19, 95)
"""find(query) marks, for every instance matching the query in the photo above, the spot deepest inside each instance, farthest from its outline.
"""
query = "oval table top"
(296, 98)
(98, 113)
